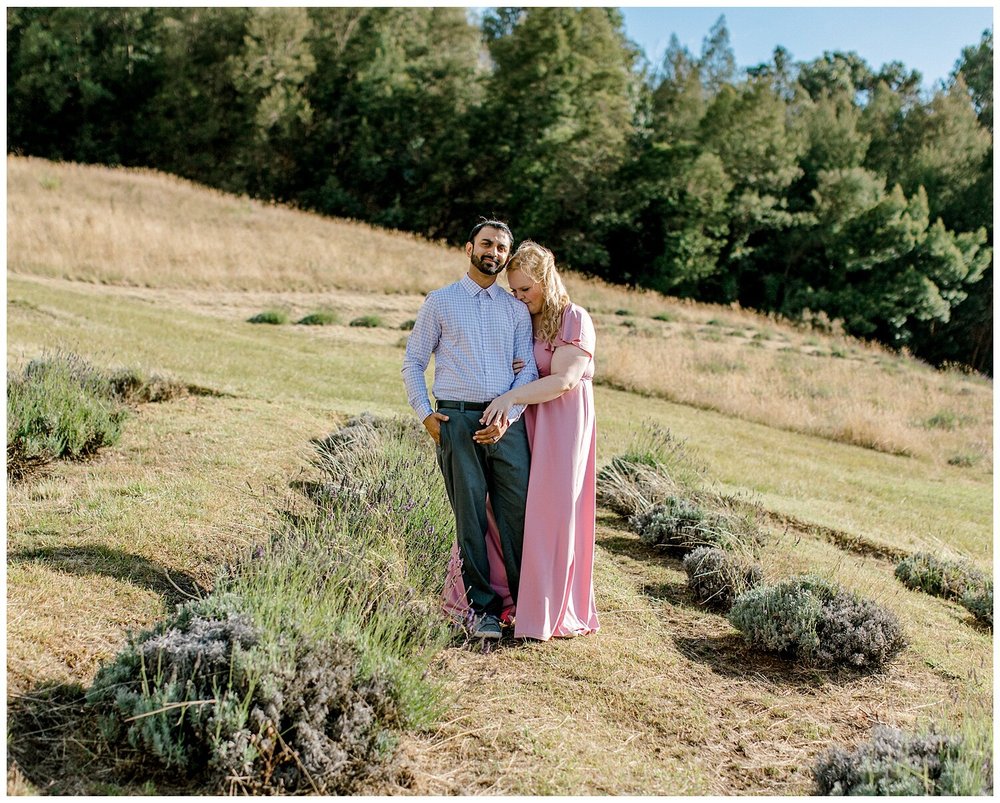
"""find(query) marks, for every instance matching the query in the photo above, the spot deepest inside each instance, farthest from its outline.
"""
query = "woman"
(556, 596)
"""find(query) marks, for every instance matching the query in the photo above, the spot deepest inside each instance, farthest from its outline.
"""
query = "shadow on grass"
(55, 743)
(632, 547)
(729, 656)
(175, 587)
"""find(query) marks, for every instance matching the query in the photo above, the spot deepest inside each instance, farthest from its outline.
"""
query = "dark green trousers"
(470, 472)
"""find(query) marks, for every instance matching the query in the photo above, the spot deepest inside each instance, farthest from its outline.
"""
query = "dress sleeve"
(578, 329)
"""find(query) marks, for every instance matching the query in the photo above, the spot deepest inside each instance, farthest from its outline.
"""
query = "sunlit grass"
(142, 228)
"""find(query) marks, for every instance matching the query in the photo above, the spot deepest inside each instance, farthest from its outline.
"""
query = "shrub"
(321, 318)
(299, 671)
(203, 695)
(656, 465)
(979, 602)
(716, 577)
(895, 763)
(61, 406)
(368, 321)
(408, 325)
(273, 316)
(924, 571)
(678, 524)
(663, 316)
(627, 486)
(819, 623)
(682, 524)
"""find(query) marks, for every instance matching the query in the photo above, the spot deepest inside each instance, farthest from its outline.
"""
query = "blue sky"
(928, 39)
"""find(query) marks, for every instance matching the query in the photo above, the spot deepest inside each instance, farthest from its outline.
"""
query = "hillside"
(854, 452)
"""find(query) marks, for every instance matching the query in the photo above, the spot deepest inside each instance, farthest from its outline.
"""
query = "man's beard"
(477, 263)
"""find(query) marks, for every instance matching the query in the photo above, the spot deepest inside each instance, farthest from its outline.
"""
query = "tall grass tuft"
(367, 321)
(300, 670)
(60, 407)
(656, 465)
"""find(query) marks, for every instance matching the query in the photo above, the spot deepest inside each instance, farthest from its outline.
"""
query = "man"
(475, 330)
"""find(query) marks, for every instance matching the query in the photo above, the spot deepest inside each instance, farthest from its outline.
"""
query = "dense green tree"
(877, 262)
(947, 148)
(270, 72)
(968, 336)
(554, 126)
(678, 99)
(197, 121)
(393, 92)
(976, 68)
(77, 80)
(717, 62)
(748, 128)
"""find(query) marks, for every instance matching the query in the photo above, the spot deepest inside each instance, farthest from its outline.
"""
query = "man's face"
(490, 252)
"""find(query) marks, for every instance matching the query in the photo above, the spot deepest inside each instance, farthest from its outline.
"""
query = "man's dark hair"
(496, 224)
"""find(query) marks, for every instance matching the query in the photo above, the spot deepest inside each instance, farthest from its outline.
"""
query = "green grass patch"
(272, 316)
(367, 321)
(321, 318)
(60, 406)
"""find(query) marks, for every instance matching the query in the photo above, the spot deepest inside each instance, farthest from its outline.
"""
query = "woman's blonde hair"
(538, 264)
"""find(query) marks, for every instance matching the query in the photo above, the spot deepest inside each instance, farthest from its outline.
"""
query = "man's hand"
(492, 433)
(433, 425)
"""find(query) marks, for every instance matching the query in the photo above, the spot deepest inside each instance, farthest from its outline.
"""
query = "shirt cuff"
(515, 412)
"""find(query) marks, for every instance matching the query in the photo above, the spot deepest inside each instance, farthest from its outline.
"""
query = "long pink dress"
(556, 596)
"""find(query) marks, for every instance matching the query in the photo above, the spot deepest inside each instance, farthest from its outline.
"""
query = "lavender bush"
(300, 670)
(979, 602)
(819, 623)
(940, 577)
(896, 763)
(717, 577)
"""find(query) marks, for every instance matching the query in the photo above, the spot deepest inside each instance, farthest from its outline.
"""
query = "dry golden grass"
(864, 398)
(142, 228)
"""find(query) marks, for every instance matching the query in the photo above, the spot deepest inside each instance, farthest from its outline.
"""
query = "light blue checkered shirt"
(474, 334)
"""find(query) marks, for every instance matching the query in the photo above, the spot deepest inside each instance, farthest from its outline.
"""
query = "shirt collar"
(472, 288)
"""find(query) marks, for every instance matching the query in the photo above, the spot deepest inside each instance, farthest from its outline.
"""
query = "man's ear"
(468, 250)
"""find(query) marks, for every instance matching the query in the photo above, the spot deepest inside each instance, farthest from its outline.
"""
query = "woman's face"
(526, 290)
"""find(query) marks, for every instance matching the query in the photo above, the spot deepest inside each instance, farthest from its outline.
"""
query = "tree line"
(825, 190)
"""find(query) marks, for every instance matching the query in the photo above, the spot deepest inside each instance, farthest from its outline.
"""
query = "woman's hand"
(498, 410)
(517, 365)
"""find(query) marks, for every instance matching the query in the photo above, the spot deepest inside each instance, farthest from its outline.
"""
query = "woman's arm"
(568, 366)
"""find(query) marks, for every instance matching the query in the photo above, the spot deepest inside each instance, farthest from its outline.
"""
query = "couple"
(517, 450)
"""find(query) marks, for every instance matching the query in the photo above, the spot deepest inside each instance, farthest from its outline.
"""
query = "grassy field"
(849, 448)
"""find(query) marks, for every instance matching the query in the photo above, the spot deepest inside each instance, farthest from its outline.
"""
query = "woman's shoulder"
(577, 327)
(575, 312)
(574, 316)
